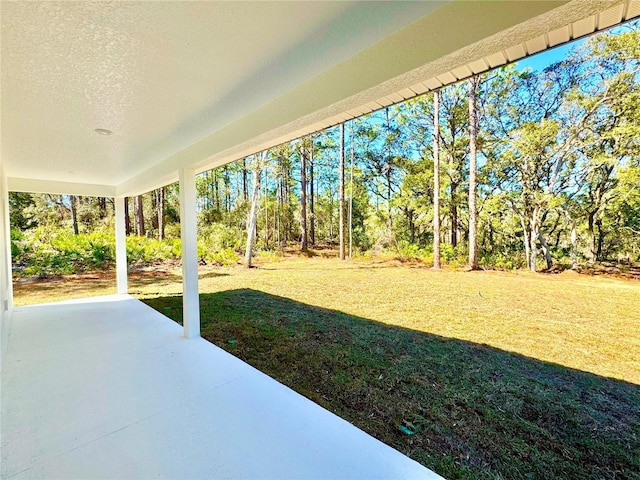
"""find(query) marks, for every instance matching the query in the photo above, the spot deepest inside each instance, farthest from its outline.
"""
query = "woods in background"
(509, 169)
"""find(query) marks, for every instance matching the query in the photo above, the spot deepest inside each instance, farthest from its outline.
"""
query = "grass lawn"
(477, 375)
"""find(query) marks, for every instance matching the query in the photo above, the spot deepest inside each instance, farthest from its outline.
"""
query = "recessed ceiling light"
(103, 131)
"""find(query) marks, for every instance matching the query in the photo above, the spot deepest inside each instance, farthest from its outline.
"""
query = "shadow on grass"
(147, 278)
(477, 412)
(202, 276)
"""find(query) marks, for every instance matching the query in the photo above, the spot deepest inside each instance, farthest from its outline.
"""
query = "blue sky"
(541, 60)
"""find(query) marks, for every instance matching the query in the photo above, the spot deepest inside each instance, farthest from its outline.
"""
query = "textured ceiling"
(198, 84)
(160, 75)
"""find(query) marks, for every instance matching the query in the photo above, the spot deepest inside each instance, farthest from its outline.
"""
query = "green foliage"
(16, 241)
(558, 154)
(218, 244)
(500, 261)
(217, 237)
(20, 210)
(46, 252)
(147, 251)
(454, 256)
(413, 252)
(222, 256)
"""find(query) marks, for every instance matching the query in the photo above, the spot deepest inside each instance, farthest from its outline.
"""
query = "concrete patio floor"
(108, 388)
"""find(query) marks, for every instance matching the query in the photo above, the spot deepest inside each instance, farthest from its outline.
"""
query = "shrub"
(414, 252)
(502, 261)
(218, 236)
(44, 251)
(447, 252)
(17, 238)
(220, 243)
(147, 251)
(223, 256)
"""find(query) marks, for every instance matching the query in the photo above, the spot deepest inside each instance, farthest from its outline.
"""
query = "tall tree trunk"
(282, 221)
(312, 213)
(140, 216)
(473, 140)
(102, 205)
(389, 195)
(454, 214)
(266, 207)
(74, 213)
(127, 218)
(491, 242)
(227, 190)
(351, 196)
(245, 190)
(212, 189)
(436, 179)
(287, 202)
(161, 202)
(600, 242)
(593, 247)
(574, 241)
(154, 209)
(330, 213)
(388, 177)
(558, 237)
(533, 251)
(253, 216)
(534, 232)
(341, 180)
(526, 241)
(304, 244)
(545, 250)
(278, 211)
(216, 190)
(412, 226)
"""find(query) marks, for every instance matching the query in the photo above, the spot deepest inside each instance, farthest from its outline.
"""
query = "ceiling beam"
(32, 185)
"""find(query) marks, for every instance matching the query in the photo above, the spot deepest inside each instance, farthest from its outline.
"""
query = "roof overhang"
(421, 49)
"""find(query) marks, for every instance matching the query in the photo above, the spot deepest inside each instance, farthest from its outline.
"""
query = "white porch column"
(189, 234)
(6, 283)
(121, 247)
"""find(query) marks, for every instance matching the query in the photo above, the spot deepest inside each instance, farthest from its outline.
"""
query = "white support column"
(121, 247)
(6, 283)
(189, 234)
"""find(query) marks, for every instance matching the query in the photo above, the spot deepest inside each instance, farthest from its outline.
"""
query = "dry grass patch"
(583, 322)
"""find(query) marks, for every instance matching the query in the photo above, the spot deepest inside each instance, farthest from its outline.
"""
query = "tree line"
(511, 168)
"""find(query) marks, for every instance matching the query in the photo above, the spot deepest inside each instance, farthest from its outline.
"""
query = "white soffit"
(607, 18)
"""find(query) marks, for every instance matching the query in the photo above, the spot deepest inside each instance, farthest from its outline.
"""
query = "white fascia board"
(32, 185)
(455, 34)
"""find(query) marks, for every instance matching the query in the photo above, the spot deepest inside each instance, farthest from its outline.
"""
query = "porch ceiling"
(204, 83)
